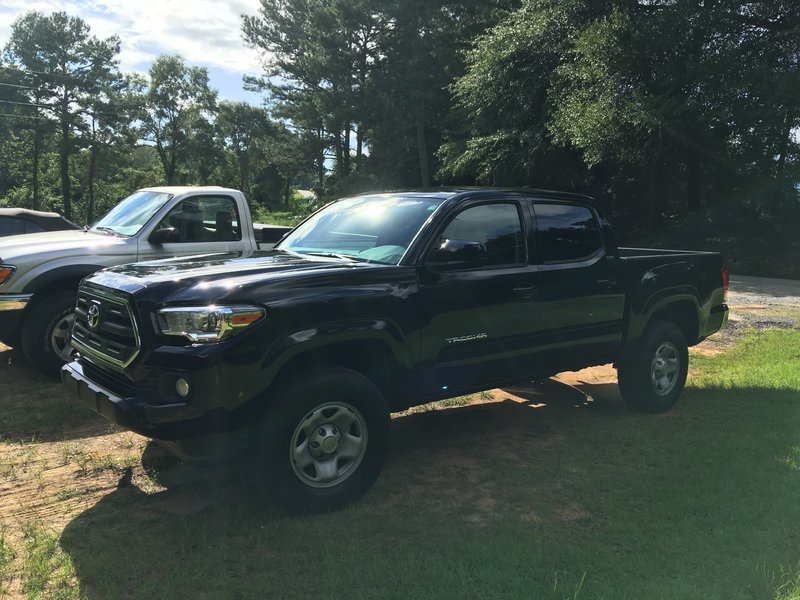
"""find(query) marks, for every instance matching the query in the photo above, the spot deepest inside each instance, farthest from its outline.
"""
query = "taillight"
(726, 279)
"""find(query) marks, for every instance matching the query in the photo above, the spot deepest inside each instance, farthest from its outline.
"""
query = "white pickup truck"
(40, 272)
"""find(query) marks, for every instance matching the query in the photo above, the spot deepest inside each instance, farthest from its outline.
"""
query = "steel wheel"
(332, 425)
(664, 368)
(61, 338)
(652, 371)
(328, 445)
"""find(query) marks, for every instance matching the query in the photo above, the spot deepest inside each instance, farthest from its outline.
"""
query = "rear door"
(479, 319)
(581, 286)
(204, 225)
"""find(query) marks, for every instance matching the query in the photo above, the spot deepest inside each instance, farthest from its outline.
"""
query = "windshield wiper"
(109, 230)
(336, 255)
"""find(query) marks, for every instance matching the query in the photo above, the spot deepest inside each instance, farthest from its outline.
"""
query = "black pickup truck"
(295, 357)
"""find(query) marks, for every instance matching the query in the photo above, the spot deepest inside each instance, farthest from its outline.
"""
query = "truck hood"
(221, 272)
(61, 243)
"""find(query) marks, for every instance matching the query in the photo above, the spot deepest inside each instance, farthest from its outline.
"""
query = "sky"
(204, 32)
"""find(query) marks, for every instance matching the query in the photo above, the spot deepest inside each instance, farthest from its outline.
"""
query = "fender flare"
(69, 272)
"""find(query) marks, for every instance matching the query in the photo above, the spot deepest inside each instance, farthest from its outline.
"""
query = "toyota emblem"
(93, 317)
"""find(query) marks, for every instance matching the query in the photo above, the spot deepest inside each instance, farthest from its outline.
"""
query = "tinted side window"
(32, 227)
(566, 232)
(12, 226)
(497, 226)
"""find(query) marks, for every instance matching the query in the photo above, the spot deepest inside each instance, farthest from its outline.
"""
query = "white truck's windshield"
(129, 216)
(374, 228)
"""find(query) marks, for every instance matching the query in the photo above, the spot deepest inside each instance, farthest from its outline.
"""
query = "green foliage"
(64, 69)
(178, 103)
(655, 107)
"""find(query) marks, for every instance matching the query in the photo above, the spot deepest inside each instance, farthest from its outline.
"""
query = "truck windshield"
(370, 228)
(130, 215)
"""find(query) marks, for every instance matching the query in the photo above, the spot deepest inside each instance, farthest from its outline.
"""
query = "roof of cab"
(448, 193)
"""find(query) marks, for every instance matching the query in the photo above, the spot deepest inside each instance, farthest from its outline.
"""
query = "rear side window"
(497, 226)
(566, 233)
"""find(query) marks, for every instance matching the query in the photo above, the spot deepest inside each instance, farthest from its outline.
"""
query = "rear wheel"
(653, 373)
(47, 332)
(323, 442)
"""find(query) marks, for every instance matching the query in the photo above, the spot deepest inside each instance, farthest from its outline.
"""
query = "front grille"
(105, 328)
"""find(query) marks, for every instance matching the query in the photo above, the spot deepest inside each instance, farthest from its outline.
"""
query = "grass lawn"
(539, 492)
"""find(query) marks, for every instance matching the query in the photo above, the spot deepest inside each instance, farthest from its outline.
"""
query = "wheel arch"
(374, 357)
(67, 277)
(682, 310)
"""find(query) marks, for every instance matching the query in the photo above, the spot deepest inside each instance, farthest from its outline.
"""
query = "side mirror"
(165, 235)
(454, 255)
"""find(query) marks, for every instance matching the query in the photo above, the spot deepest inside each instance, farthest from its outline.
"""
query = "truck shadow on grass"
(535, 496)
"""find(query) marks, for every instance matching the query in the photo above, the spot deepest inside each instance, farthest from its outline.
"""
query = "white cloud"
(204, 32)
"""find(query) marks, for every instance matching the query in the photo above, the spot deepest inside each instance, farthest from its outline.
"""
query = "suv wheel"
(47, 333)
(322, 443)
(652, 375)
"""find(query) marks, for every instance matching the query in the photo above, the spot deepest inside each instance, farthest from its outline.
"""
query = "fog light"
(182, 387)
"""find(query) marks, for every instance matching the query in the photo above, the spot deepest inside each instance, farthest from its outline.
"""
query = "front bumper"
(14, 302)
(215, 435)
(12, 307)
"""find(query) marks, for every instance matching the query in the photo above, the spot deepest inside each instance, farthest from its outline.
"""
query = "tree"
(64, 63)
(177, 103)
(642, 101)
(242, 127)
(110, 114)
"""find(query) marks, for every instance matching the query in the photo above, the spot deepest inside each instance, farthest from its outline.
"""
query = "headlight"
(207, 323)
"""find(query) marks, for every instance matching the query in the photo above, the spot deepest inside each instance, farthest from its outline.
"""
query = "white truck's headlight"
(208, 323)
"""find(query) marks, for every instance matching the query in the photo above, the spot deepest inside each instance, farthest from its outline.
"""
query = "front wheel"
(653, 373)
(47, 333)
(323, 442)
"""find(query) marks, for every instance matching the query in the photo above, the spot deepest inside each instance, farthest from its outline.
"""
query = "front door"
(203, 225)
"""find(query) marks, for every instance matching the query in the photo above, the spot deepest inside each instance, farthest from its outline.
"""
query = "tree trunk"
(780, 163)
(339, 155)
(37, 143)
(346, 150)
(321, 159)
(359, 145)
(422, 146)
(287, 189)
(694, 181)
(244, 175)
(169, 168)
(92, 162)
(65, 187)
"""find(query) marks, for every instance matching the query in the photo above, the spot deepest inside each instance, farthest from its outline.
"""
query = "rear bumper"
(212, 437)
(717, 318)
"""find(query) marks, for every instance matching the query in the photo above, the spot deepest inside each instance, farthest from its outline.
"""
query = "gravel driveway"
(762, 302)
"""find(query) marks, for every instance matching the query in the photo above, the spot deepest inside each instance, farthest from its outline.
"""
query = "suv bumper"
(212, 437)
(9, 302)
(11, 309)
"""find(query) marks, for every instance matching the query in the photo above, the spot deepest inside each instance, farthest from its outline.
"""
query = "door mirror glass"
(165, 235)
(453, 255)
